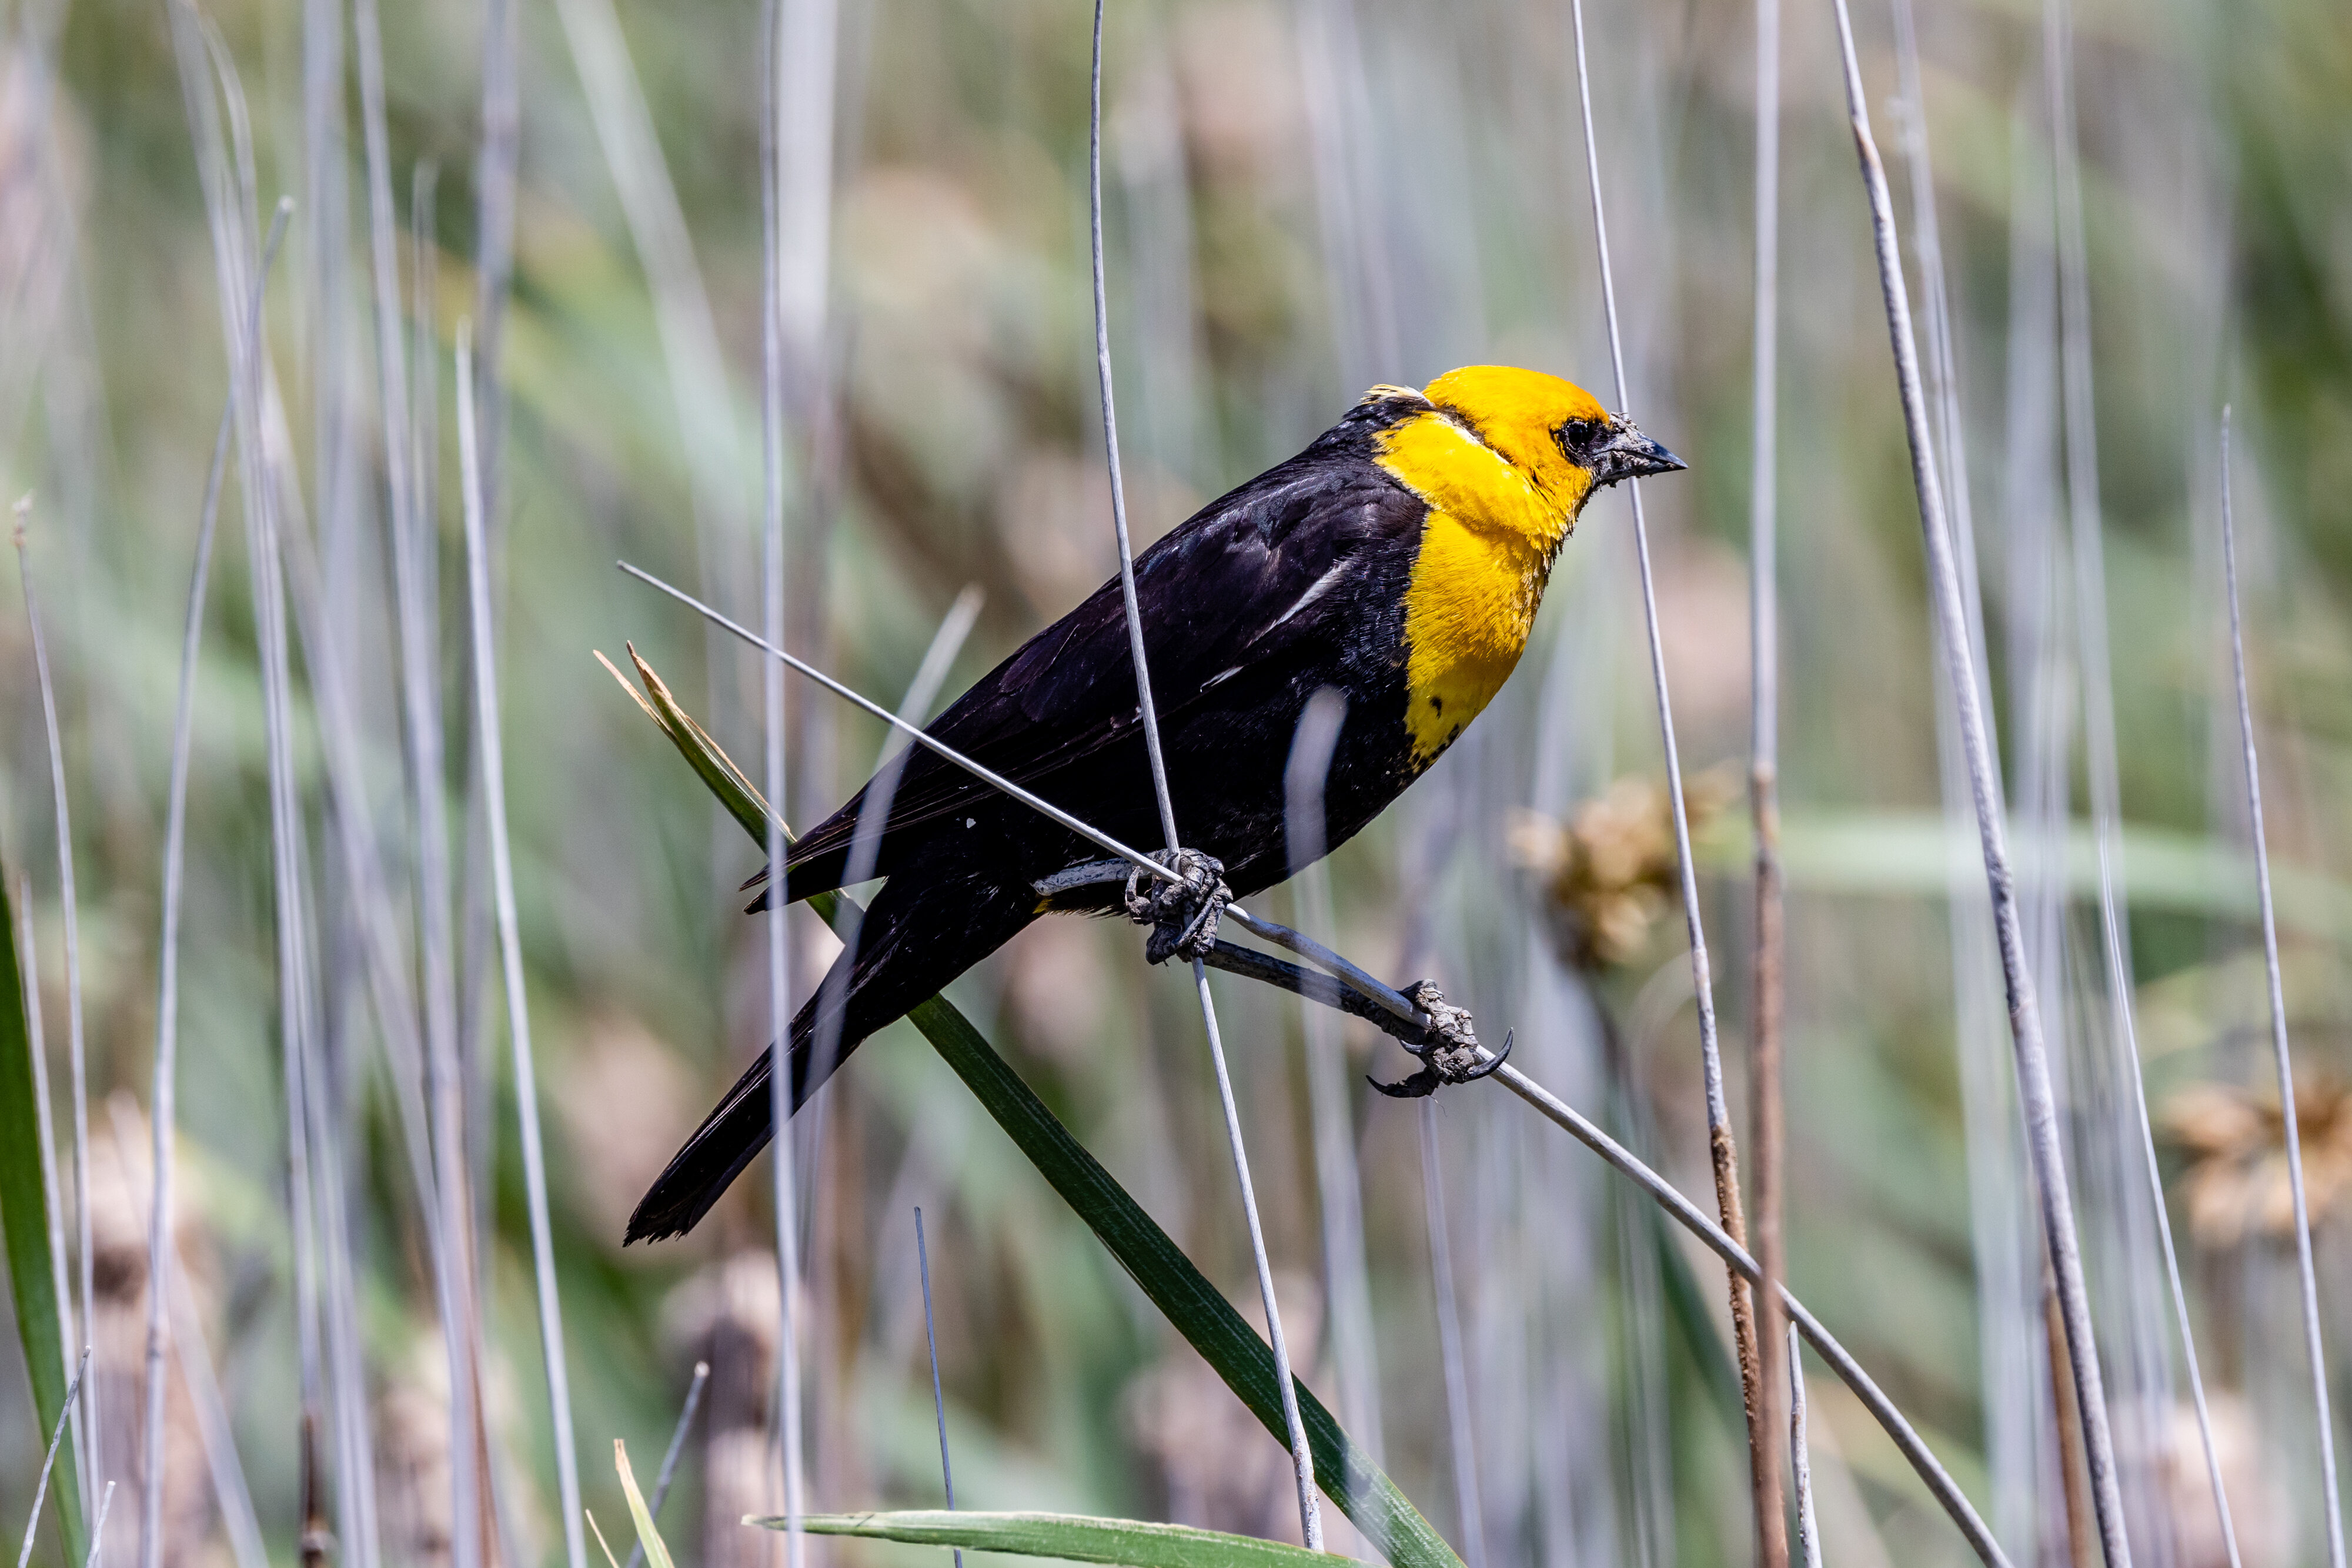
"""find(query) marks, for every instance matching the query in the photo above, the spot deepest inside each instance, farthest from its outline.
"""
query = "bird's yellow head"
(1554, 433)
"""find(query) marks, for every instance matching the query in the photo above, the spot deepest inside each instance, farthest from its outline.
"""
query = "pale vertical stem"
(710, 435)
(939, 1397)
(808, 53)
(660, 1493)
(771, 600)
(49, 1459)
(526, 1073)
(2034, 1090)
(1302, 1459)
(1340, 124)
(1461, 1439)
(1339, 1185)
(162, 1257)
(29, 964)
(77, 1060)
(2086, 522)
(326, 226)
(2291, 1132)
(98, 1530)
(237, 1521)
(874, 815)
(454, 1271)
(1764, 788)
(2086, 525)
(494, 176)
(1808, 1531)
(1722, 1150)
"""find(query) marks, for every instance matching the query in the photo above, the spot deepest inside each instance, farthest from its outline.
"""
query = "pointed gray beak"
(1628, 454)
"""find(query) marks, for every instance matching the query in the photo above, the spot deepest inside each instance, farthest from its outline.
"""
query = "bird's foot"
(1449, 1051)
(1183, 914)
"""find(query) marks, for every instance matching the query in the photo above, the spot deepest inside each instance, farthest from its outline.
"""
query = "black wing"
(1235, 586)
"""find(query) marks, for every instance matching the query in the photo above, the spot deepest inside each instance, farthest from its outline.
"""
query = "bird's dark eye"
(1578, 437)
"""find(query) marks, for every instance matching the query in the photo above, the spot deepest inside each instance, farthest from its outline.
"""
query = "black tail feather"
(914, 941)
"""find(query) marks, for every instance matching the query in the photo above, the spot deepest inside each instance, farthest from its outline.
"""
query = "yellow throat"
(1487, 549)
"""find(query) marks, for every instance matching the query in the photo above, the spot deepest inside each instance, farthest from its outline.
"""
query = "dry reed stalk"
(2130, 1149)
(1356, 255)
(2289, 1132)
(1722, 1151)
(2032, 1063)
(668, 1471)
(222, 134)
(2086, 524)
(98, 1530)
(36, 1046)
(1768, 970)
(772, 386)
(328, 220)
(1302, 1459)
(49, 1459)
(526, 1074)
(710, 429)
(939, 1399)
(163, 1101)
(77, 1058)
(1808, 1532)
(470, 1516)
(495, 172)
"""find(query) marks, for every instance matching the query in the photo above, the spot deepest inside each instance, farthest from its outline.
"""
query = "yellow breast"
(1486, 551)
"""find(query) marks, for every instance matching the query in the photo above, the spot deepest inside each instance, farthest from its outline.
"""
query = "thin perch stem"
(2290, 1131)
(2034, 1090)
(1686, 1214)
(1723, 1152)
(1302, 1459)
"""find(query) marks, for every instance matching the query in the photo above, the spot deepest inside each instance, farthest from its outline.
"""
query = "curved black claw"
(1488, 1068)
(1448, 1048)
(1420, 1085)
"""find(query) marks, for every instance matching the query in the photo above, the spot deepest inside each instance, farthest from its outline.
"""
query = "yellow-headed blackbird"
(1399, 558)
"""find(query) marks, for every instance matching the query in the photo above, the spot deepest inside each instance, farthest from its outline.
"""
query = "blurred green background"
(1303, 197)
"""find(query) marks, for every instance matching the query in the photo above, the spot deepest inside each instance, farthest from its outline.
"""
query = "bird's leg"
(1183, 914)
(1449, 1051)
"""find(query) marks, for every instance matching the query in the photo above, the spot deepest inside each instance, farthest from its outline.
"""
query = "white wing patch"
(1322, 585)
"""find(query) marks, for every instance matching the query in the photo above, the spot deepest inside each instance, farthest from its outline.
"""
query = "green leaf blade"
(648, 1536)
(1194, 1307)
(1072, 1538)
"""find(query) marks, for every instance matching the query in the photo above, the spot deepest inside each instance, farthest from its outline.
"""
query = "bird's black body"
(1296, 582)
